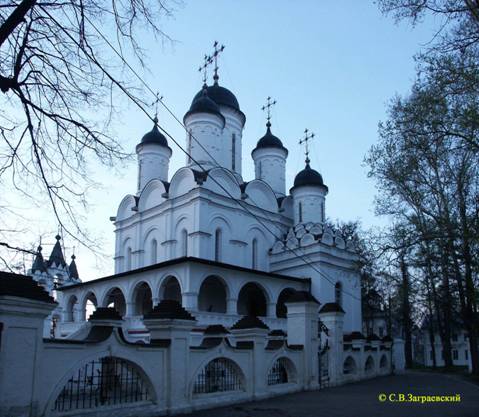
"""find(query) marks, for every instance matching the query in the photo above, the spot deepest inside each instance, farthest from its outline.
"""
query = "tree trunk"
(406, 314)
(17, 17)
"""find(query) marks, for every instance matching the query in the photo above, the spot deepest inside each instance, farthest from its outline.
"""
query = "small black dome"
(308, 176)
(202, 103)
(220, 95)
(155, 136)
(270, 141)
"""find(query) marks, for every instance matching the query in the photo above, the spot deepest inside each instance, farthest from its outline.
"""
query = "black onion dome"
(270, 141)
(309, 176)
(154, 136)
(220, 95)
(202, 103)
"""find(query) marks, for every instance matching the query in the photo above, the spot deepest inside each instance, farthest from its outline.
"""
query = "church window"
(300, 209)
(154, 252)
(254, 253)
(184, 242)
(104, 382)
(219, 375)
(455, 354)
(260, 170)
(217, 244)
(233, 152)
(466, 355)
(189, 146)
(338, 293)
(128, 259)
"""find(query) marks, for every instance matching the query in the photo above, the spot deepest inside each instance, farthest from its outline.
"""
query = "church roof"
(193, 260)
(309, 176)
(269, 140)
(72, 269)
(39, 262)
(169, 309)
(56, 257)
(154, 136)
(202, 103)
(220, 95)
(249, 322)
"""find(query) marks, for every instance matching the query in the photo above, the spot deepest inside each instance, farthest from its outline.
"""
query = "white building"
(215, 292)
(223, 246)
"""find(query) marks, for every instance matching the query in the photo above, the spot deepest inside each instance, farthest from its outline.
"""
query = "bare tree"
(61, 84)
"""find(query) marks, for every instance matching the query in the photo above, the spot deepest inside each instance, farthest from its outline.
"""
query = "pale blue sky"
(332, 66)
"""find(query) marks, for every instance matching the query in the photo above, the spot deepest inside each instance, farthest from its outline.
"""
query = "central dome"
(269, 140)
(220, 95)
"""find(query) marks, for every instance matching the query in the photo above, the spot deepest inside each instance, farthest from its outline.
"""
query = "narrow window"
(300, 212)
(254, 254)
(466, 355)
(184, 243)
(455, 355)
(233, 152)
(154, 252)
(128, 259)
(338, 293)
(189, 146)
(260, 170)
(217, 244)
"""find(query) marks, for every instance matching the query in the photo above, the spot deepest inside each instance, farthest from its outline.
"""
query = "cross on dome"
(158, 98)
(267, 107)
(307, 137)
(217, 51)
(207, 60)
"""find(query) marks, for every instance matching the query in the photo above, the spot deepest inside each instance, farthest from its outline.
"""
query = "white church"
(240, 280)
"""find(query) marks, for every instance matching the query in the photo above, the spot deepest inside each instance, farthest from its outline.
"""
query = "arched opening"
(153, 252)
(254, 254)
(184, 242)
(252, 301)
(369, 366)
(170, 290)
(212, 296)
(103, 382)
(143, 299)
(218, 245)
(219, 375)
(281, 310)
(115, 299)
(128, 259)
(90, 306)
(383, 363)
(349, 366)
(71, 308)
(282, 372)
(338, 293)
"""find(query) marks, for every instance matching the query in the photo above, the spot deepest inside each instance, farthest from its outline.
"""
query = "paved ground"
(361, 400)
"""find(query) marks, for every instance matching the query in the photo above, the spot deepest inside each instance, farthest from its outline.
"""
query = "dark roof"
(387, 338)
(301, 296)
(277, 332)
(274, 344)
(73, 269)
(187, 259)
(203, 103)
(17, 285)
(215, 329)
(39, 262)
(357, 335)
(169, 309)
(372, 337)
(154, 136)
(220, 95)
(331, 307)
(269, 140)
(309, 176)
(56, 257)
(105, 313)
(249, 322)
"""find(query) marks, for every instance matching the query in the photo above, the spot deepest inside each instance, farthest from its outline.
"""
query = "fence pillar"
(170, 321)
(302, 325)
(332, 316)
(24, 306)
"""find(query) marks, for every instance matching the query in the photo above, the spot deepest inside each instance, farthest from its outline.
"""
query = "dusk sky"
(332, 66)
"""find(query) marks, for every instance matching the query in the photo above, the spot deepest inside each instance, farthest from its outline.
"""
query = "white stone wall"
(270, 166)
(153, 163)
